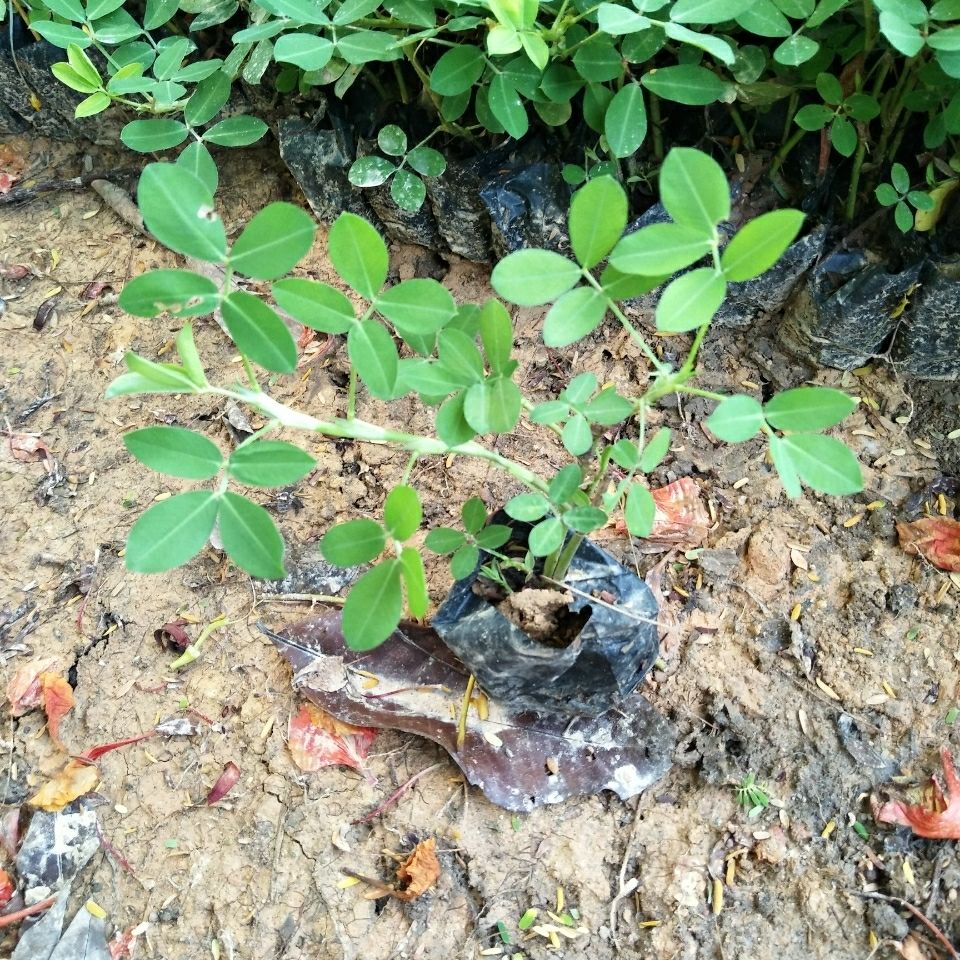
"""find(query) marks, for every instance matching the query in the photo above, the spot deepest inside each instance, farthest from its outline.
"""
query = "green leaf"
(358, 254)
(843, 136)
(494, 536)
(903, 36)
(374, 606)
(824, 463)
(464, 562)
(784, 465)
(903, 217)
(617, 20)
(415, 581)
(208, 99)
(444, 540)
(625, 122)
(552, 411)
(250, 537)
(546, 537)
(92, 105)
(371, 171)
(585, 519)
(474, 515)
(493, 406)
(402, 513)
(708, 11)
(408, 191)
(808, 408)
(69, 9)
(196, 158)
(717, 47)
(147, 377)
(760, 244)
(598, 61)
(639, 510)
(61, 34)
(79, 80)
(451, 425)
(527, 507)
(626, 454)
(171, 532)
(178, 210)
(236, 131)
(457, 70)
(314, 304)
(765, 19)
(577, 436)
(418, 306)
(565, 484)
(598, 216)
(608, 408)
(573, 316)
(273, 242)
(814, 116)
(687, 84)
(175, 451)
(795, 50)
(181, 293)
(580, 388)
(259, 332)
(270, 463)
(365, 46)
(149, 136)
(159, 12)
(945, 39)
(530, 278)
(187, 350)
(691, 300)
(694, 190)
(623, 286)
(900, 177)
(426, 161)
(496, 332)
(374, 354)
(506, 106)
(655, 449)
(736, 419)
(460, 356)
(304, 50)
(886, 195)
(659, 249)
(830, 88)
(354, 542)
(392, 140)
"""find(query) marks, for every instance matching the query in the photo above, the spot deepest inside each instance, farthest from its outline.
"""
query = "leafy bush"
(412, 338)
(614, 79)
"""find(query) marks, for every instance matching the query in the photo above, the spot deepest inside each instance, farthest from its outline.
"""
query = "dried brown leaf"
(316, 739)
(939, 819)
(225, 783)
(57, 697)
(74, 780)
(937, 539)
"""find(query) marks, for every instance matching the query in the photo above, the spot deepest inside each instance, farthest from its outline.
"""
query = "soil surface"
(808, 650)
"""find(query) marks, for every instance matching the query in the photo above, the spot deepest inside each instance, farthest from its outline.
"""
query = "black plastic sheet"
(614, 650)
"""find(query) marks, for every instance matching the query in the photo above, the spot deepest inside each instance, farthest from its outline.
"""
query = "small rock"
(768, 555)
(901, 598)
(718, 563)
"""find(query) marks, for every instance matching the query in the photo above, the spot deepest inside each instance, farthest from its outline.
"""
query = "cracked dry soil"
(259, 872)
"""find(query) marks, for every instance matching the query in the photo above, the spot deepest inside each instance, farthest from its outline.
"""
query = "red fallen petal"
(939, 822)
(6, 888)
(227, 781)
(57, 696)
(937, 539)
(95, 753)
(6, 182)
(318, 740)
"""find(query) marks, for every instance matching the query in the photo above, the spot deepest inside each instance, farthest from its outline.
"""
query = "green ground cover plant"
(613, 84)
(412, 338)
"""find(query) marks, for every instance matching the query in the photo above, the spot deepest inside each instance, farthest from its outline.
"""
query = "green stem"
(657, 127)
(745, 134)
(784, 151)
(408, 469)
(365, 432)
(352, 394)
(248, 370)
(850, 209)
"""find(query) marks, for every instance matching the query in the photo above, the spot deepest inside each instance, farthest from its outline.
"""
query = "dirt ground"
(810, 651)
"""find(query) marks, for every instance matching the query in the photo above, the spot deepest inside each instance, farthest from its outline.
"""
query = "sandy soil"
(810, 652)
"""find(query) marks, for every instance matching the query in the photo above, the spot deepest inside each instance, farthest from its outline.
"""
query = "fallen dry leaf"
(937, 820)
(25, 447)
(505, 749)
(24, 689)
(173, 636)
(57, 698)
(225, 783)
(419, 872)
(6, 888)
(681, 520)
(936, 539)
(95, 753)
(74, 780)
(317, 740)
(34, 685)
